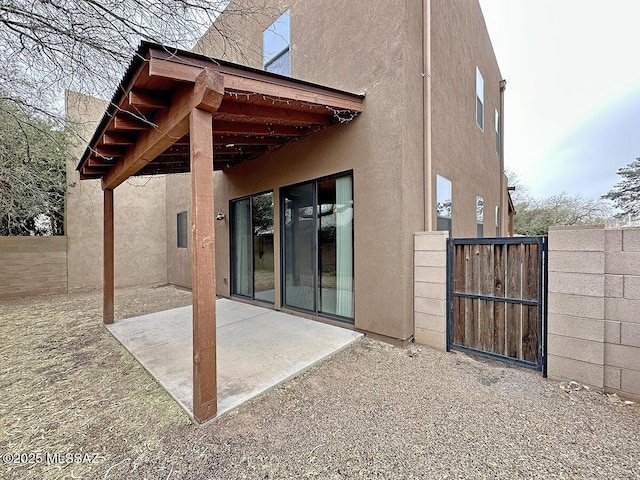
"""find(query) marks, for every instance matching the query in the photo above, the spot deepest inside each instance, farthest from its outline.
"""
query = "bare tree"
(85, 45)
(535, 216)
(32, 174)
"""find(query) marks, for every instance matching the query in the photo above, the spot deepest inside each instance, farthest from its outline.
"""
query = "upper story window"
(479, 99)
(480, 216)
(276, 41)
(443, 204)
(497, 126)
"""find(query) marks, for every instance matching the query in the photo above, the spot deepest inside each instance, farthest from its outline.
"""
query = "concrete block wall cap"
(577, 227)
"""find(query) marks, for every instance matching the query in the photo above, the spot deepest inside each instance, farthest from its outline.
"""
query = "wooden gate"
(496, 298)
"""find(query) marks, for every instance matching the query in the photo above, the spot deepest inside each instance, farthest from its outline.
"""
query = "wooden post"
(205, 389)
(108, 270)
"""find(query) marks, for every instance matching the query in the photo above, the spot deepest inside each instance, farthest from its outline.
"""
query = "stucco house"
(393, 125)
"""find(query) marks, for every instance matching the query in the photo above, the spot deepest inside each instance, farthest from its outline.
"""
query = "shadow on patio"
(257, 349)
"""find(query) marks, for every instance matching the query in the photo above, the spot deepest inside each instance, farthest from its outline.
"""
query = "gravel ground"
(371, 411)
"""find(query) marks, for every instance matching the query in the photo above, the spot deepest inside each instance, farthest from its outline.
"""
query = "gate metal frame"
(541, 303)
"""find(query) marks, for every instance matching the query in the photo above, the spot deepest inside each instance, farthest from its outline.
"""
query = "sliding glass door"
(318, 246)
(252, 247)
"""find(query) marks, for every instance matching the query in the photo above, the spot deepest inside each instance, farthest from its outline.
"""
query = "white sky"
(565, 62)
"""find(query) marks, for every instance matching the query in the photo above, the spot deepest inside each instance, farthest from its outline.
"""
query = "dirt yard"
(75, 404)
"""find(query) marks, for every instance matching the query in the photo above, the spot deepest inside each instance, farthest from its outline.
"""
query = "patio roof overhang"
(177, 112)
(145, 130)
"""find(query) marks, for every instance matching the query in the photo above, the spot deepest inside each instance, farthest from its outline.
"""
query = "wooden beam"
(205, 390)
(118, 138)
(171, 124)
(108, 269)
(246, 140)
(98, 162)
(124, 121)
(263, 84)
(109, 151)
(270, 114)
(241, 128)
(144, 98)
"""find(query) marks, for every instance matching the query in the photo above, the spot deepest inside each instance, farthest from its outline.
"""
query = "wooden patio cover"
(176, 112)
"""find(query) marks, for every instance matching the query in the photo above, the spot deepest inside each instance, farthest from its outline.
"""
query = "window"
(317, 252)
(497, 126)
(276, 40)
(479, 99)
(480, 216)
(497, 221)
(182, 230)
(252, 247)
(443, 204)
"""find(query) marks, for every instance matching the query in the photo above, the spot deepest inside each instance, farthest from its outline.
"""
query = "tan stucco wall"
(377, 51)
(339, 44)
(178, 259)
(139, 211)
(461, 151)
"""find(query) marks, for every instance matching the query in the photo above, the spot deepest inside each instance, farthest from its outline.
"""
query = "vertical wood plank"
(458, 286)
(458, 320)
(530, 314)
(205, 401)
(486, 309)
(514, 311)
(499, 291)
(108, 257)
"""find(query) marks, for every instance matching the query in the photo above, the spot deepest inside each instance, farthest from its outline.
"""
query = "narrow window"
(480, 216)
(182, 230)
(276, 40)
(479, 99)
(443, 204)
(497, 126)
(497, 221)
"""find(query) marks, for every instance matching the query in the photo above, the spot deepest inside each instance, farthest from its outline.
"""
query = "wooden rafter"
(171, 124)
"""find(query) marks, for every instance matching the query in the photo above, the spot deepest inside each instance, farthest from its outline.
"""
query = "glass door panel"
(241, 274)
(299, 247)
(262, 219)
(335, 241)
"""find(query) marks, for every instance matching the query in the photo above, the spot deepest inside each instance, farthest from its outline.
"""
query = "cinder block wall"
(430, 288)
(32, 266)
(594, 307)
(622, 312)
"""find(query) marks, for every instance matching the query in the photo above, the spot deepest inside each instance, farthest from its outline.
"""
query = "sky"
(572, 104)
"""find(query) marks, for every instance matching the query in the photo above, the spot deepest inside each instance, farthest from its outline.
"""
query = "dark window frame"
(182, 230)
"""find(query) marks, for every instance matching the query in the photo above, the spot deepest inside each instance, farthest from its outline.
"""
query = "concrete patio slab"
(257, 349)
